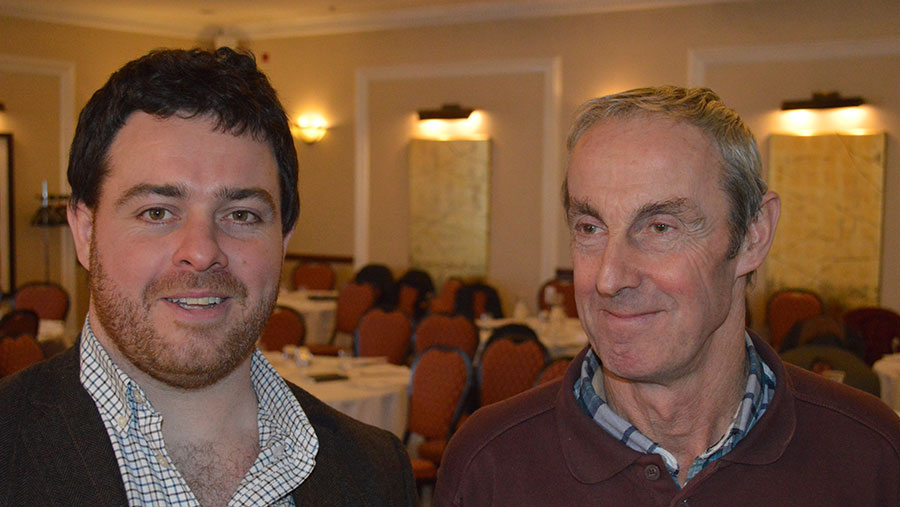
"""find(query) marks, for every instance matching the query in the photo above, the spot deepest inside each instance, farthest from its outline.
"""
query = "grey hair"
(702, 108)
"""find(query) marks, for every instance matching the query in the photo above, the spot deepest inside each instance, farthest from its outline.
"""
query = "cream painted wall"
(599, 54)
(515, 170)
(33, 116)
(872, 77)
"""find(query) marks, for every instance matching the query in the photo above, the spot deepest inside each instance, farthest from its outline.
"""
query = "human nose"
(199, 248)
(618, 268)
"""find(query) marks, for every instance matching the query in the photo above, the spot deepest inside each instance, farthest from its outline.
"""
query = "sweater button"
(684, 503)
(651, 472)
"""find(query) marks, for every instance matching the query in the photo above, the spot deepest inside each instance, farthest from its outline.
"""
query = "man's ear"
(760, 235)
(81, 222)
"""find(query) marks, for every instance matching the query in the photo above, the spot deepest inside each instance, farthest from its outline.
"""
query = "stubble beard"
(202, 360)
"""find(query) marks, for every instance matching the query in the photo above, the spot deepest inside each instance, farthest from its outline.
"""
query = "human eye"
(156, 215)
(661, 228)
(243, 216)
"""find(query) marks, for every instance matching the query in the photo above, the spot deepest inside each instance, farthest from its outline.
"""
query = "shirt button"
(651, 472)
(277, 451)
(138, 398)
(163, 462)
(684, 503)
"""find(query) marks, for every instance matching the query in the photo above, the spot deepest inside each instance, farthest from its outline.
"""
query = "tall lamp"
(52, 213)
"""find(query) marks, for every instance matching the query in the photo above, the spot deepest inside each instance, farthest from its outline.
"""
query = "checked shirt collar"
(757, 396)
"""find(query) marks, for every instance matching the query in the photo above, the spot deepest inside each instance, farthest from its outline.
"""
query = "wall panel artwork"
(830, 232)
(449, 195)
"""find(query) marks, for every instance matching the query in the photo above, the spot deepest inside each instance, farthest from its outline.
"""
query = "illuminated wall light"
(447, 129)
(311, 128)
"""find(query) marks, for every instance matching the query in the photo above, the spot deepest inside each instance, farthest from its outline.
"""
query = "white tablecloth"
(374, 392)
(888, 370)
(318, 309)
(562, 337)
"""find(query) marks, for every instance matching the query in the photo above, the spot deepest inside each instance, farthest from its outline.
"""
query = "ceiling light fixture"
(451, 111)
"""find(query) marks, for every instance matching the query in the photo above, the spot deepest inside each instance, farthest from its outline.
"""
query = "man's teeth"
(205, 301)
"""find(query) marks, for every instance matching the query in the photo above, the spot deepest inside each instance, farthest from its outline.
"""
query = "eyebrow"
(681, 207)
(577, 207)
(144, 189)
(239, 194)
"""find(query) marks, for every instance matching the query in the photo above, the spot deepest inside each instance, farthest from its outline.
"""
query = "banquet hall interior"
(431, 139)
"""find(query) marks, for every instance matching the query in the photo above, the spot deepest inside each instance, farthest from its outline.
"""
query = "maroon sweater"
(819, 443)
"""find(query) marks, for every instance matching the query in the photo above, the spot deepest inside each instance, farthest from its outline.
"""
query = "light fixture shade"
(823, 100)
(52, 215)
(450, 111)
(310, 128)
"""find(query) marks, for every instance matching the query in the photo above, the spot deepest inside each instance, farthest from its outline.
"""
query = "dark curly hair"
(224, 85)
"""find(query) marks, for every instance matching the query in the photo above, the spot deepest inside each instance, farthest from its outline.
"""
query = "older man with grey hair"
(673, 402)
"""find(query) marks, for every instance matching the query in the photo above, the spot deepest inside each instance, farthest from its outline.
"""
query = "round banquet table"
(888, 370)
(318, 309)
(563, 337)
(374, 391)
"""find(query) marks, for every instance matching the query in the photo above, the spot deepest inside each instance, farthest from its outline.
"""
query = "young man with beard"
(184, 197)
(673, 402)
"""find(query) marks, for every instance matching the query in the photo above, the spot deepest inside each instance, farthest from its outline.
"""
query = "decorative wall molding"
(550, 165)
(699, 60)
(64, 71)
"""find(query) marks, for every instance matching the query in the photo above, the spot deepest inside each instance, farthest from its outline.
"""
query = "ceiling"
(261, 19)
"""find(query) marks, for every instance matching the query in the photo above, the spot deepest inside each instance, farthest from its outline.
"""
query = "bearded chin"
(202, 354)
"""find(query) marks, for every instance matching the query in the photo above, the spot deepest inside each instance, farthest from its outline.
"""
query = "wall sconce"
(310, 128)
(823, 100)
(446, 112)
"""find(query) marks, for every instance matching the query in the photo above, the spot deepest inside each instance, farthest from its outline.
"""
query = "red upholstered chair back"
(18, 353)
(354, 300)
(556, 369)
(445, 301)
(510, 363)
(453, 331)
(787, 308)
(313, 276)
(48, 300)
(285, 327)
(441, 379)
(382, 333)
(408, 300)
(878, 328)
(19, 322)
(562, 289)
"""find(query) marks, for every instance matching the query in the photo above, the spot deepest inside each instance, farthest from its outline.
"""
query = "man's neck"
(689, 415)
(211, 433)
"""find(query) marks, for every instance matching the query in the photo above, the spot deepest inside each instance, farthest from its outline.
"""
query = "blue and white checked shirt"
(590, 393)
(287, 442)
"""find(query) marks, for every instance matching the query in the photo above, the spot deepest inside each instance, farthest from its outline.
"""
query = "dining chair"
(511, 361)
(556, 369)
(561, 290)
(788, 307)
(414, 288)
(879, 328)
(354, 300)
(18, 353)
(453, 331)
(19, 322)
(380, 277)
(445, 300)
(476, 299)
(49, 300)
(383, 333)
(313, 276)
(441, 378)
(284, 327)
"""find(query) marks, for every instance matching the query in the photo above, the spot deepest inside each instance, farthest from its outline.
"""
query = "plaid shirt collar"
(287, 441)
(590, 394)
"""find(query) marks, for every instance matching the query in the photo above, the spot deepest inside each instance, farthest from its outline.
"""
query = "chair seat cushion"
(432, 450)
(423, 470)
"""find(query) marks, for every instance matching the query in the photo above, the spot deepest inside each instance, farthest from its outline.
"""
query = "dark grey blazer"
(54, 449)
